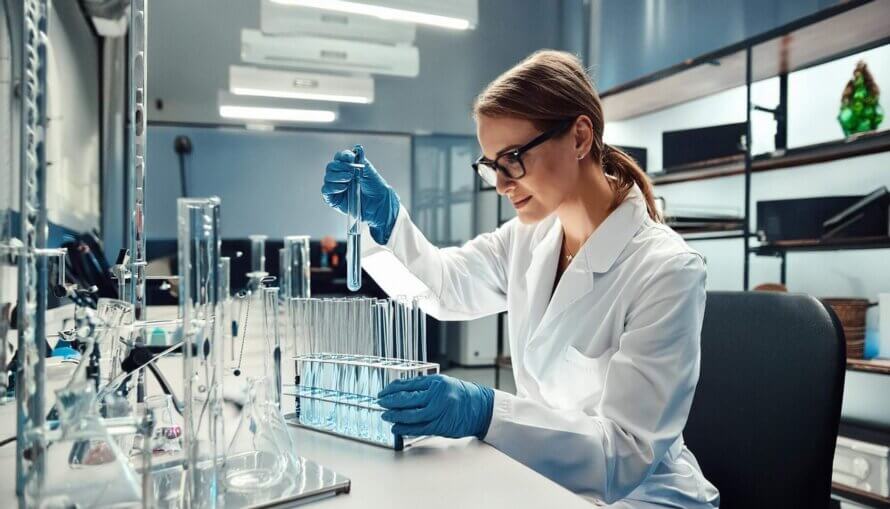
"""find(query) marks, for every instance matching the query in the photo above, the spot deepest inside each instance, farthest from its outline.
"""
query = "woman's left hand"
(437, 405)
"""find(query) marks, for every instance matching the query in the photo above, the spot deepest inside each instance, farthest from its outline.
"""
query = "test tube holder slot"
(337, 395)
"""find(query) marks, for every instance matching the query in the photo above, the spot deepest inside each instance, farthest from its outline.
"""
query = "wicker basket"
(851, 312)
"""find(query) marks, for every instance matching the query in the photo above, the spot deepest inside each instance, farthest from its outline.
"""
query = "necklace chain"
(569, 255)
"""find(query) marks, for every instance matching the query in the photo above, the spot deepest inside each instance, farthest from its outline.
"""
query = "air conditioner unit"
(300, 85)
(454, 14)
(277, 19)
(319, 53)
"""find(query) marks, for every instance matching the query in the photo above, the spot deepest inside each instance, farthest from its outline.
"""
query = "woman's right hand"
(380, 203)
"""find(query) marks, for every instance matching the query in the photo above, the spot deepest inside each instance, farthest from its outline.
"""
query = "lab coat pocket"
(579, 380)
(576, 358)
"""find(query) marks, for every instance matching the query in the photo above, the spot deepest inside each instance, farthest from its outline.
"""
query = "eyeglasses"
(510, 161)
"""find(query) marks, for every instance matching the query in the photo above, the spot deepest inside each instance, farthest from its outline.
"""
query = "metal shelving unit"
(860, 497)
(827, 35)
(853, 146)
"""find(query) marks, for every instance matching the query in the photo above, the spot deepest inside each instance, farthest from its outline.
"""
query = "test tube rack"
(337, 394)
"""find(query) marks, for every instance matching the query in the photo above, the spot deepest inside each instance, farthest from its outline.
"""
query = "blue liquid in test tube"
(353, 224)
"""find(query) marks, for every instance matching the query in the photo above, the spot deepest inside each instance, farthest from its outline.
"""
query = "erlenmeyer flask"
(84, 466)
(261, 463)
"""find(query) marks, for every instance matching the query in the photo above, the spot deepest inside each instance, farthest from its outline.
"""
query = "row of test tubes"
(348, 350)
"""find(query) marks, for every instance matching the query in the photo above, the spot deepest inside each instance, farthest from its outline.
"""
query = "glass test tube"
(272, 351)
(225, 294)
(283, 271)
(353, 224)
(296, 263)
(258, 254)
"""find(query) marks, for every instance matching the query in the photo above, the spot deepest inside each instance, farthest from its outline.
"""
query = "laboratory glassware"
(112, 315)
(272, 344)
(349, 350)
(295, 276)
(84, 465)
(296, 267)
(225, 293)
(257, 256)
(167, 433)
(354, 222)
(261, 462)
(203, 436)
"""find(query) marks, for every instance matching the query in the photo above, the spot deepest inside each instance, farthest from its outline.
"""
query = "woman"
(604, 302)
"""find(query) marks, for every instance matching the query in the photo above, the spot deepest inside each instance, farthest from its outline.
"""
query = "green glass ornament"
(860, 108)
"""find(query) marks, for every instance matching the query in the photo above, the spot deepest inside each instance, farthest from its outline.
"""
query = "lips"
(521, 203)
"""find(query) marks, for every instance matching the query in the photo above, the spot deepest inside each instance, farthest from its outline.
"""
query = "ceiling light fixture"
(391, 10)
(276, 114)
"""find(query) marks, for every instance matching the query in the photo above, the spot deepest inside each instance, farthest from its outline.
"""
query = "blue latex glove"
(437, 405)
(380, 203)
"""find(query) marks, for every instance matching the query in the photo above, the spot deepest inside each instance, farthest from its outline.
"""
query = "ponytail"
(626, 172)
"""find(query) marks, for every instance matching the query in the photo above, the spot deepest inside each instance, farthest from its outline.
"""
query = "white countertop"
(434, 473)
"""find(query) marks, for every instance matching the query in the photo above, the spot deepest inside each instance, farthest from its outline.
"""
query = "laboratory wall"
(269, 181)
(191, 45)
(813, 96)
(632, 38)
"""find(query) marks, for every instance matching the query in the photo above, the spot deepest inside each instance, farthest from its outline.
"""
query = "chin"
(530, 216)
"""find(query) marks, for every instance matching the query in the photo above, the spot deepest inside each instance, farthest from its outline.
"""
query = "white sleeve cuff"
(503, 405)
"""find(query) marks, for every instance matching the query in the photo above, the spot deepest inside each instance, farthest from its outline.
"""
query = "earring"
(581, 157)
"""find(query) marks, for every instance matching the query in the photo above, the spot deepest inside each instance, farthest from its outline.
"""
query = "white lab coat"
(605, 369)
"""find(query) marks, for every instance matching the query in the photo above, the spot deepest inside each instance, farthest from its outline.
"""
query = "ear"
(583, 132)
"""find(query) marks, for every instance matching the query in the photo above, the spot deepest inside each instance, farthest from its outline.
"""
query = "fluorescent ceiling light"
(383, 12)
(260, 92)
(279, 114)
(254, 81)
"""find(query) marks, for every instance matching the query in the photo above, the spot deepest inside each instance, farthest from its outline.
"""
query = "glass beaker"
(84, 466)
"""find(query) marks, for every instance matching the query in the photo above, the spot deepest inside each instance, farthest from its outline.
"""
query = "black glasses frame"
(519, 151)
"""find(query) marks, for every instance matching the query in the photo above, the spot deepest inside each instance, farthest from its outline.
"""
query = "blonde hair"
(549, 87)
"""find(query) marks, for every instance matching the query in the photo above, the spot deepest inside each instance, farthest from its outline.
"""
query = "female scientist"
(604, 303)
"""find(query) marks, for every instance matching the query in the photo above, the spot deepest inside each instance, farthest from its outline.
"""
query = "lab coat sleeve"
(608, 450)
(460, 283)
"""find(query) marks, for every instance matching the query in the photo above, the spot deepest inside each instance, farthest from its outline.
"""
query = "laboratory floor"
(484, 376)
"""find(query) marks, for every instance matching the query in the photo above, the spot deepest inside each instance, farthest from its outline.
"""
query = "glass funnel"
(84, 465)
(261, 463)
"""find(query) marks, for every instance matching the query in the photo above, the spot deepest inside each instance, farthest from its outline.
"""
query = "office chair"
(765, 416)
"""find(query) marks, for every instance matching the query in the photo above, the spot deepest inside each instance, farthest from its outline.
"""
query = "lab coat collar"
(608, 241)
(598, 254)
(541, 272)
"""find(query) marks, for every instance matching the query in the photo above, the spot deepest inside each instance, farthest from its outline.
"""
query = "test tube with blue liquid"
(353, 223)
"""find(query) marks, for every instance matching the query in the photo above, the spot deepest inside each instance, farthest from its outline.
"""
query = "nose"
(504, 184)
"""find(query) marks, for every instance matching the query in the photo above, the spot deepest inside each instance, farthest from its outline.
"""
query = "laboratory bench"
(432, 473)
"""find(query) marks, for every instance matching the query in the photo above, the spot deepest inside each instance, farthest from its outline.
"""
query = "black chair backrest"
(764, 420)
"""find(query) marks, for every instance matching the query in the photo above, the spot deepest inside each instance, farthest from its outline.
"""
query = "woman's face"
(551, 168)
